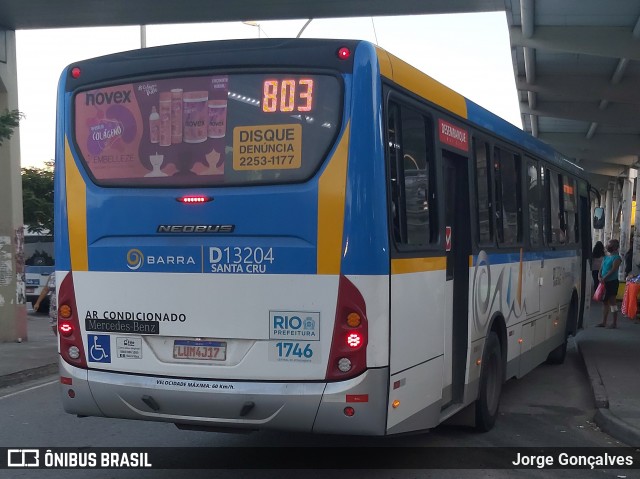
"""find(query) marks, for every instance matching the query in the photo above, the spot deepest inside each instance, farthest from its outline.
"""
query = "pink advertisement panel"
(155, 132)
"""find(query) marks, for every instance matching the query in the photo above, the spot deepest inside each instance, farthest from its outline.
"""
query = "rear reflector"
(357, 398)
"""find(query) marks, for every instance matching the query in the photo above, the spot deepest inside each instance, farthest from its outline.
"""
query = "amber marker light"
(64, 311)
(395, 404)
(354, 320)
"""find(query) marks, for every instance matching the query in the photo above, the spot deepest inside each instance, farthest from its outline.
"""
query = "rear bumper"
(295, 406)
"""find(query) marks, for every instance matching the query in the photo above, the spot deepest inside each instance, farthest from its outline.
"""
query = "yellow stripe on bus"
(331, 201)
(76, 212)
(419, 83)
(418, 265)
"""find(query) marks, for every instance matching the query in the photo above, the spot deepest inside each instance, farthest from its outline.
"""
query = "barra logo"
(135, 259)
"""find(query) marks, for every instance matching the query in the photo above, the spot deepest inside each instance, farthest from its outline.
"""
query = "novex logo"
(108, 98)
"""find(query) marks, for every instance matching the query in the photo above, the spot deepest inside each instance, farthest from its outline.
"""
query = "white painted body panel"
(418, 310)
(213, 309)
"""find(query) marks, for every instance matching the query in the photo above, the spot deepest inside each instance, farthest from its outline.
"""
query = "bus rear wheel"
(558, 355)
(490, 385)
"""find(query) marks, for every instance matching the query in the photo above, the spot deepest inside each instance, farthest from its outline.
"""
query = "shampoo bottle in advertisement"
(176, 115)
(194, 112)
(154, 126)
(165, 119)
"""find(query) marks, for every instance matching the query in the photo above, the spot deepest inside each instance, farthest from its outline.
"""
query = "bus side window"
(533, 197)
(412, 188)
(483, 191)
(394, 187)
(570, 209)
(506, 168)
(558, 227)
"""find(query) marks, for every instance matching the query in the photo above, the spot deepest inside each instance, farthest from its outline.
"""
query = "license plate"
(204, 350)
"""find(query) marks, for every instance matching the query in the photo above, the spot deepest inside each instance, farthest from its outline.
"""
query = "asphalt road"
(551, 407)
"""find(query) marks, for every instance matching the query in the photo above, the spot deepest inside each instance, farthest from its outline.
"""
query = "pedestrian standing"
(609, 276)
(50, 287)
(597, 256)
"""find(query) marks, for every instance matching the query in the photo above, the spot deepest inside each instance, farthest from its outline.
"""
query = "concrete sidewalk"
(611, 356)
(31, 359)
(612, 360)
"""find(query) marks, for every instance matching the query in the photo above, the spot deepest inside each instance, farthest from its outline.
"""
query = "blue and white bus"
(304, 235)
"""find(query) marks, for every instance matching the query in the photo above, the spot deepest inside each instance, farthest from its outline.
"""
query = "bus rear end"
(201, 193)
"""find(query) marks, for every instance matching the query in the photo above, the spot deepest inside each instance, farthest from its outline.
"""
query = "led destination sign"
(287, 95)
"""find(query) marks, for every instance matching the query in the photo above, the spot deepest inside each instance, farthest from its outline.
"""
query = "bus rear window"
(213, 130)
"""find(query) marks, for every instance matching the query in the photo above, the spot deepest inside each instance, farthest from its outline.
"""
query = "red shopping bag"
(600, 291)
(625, 299)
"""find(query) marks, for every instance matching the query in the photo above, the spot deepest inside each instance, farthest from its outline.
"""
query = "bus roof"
(427, 87)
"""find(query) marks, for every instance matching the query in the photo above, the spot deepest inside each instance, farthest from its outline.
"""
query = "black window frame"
(488, 147)
(539, 202)
(498, 200)
(392, 109)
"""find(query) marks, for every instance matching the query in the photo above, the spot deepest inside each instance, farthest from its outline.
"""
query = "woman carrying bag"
(609, 277)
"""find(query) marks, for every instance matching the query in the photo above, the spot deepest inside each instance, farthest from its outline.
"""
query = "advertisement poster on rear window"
(149, 131)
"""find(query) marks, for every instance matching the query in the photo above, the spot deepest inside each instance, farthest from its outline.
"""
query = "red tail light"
(348, 356)
(194, 199)
(344, 53)
(65, 328)
(71, 348)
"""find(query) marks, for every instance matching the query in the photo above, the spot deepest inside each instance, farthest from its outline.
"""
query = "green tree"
(8, 122)
(37, 197)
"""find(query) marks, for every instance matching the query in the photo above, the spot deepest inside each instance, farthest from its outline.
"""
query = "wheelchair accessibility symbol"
(99, 348)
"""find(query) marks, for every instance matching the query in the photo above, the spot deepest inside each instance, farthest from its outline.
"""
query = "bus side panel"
(531, 292)
(417, 343)
(366, 242)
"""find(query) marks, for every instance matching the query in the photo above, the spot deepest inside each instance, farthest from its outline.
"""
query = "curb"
(604, 418)
(28, 375)
(599, 392)
(616, 427)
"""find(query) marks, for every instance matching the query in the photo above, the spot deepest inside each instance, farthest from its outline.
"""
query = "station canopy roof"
(576, 62)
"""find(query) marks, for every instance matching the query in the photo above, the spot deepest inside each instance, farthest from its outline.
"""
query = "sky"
(469, 53)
